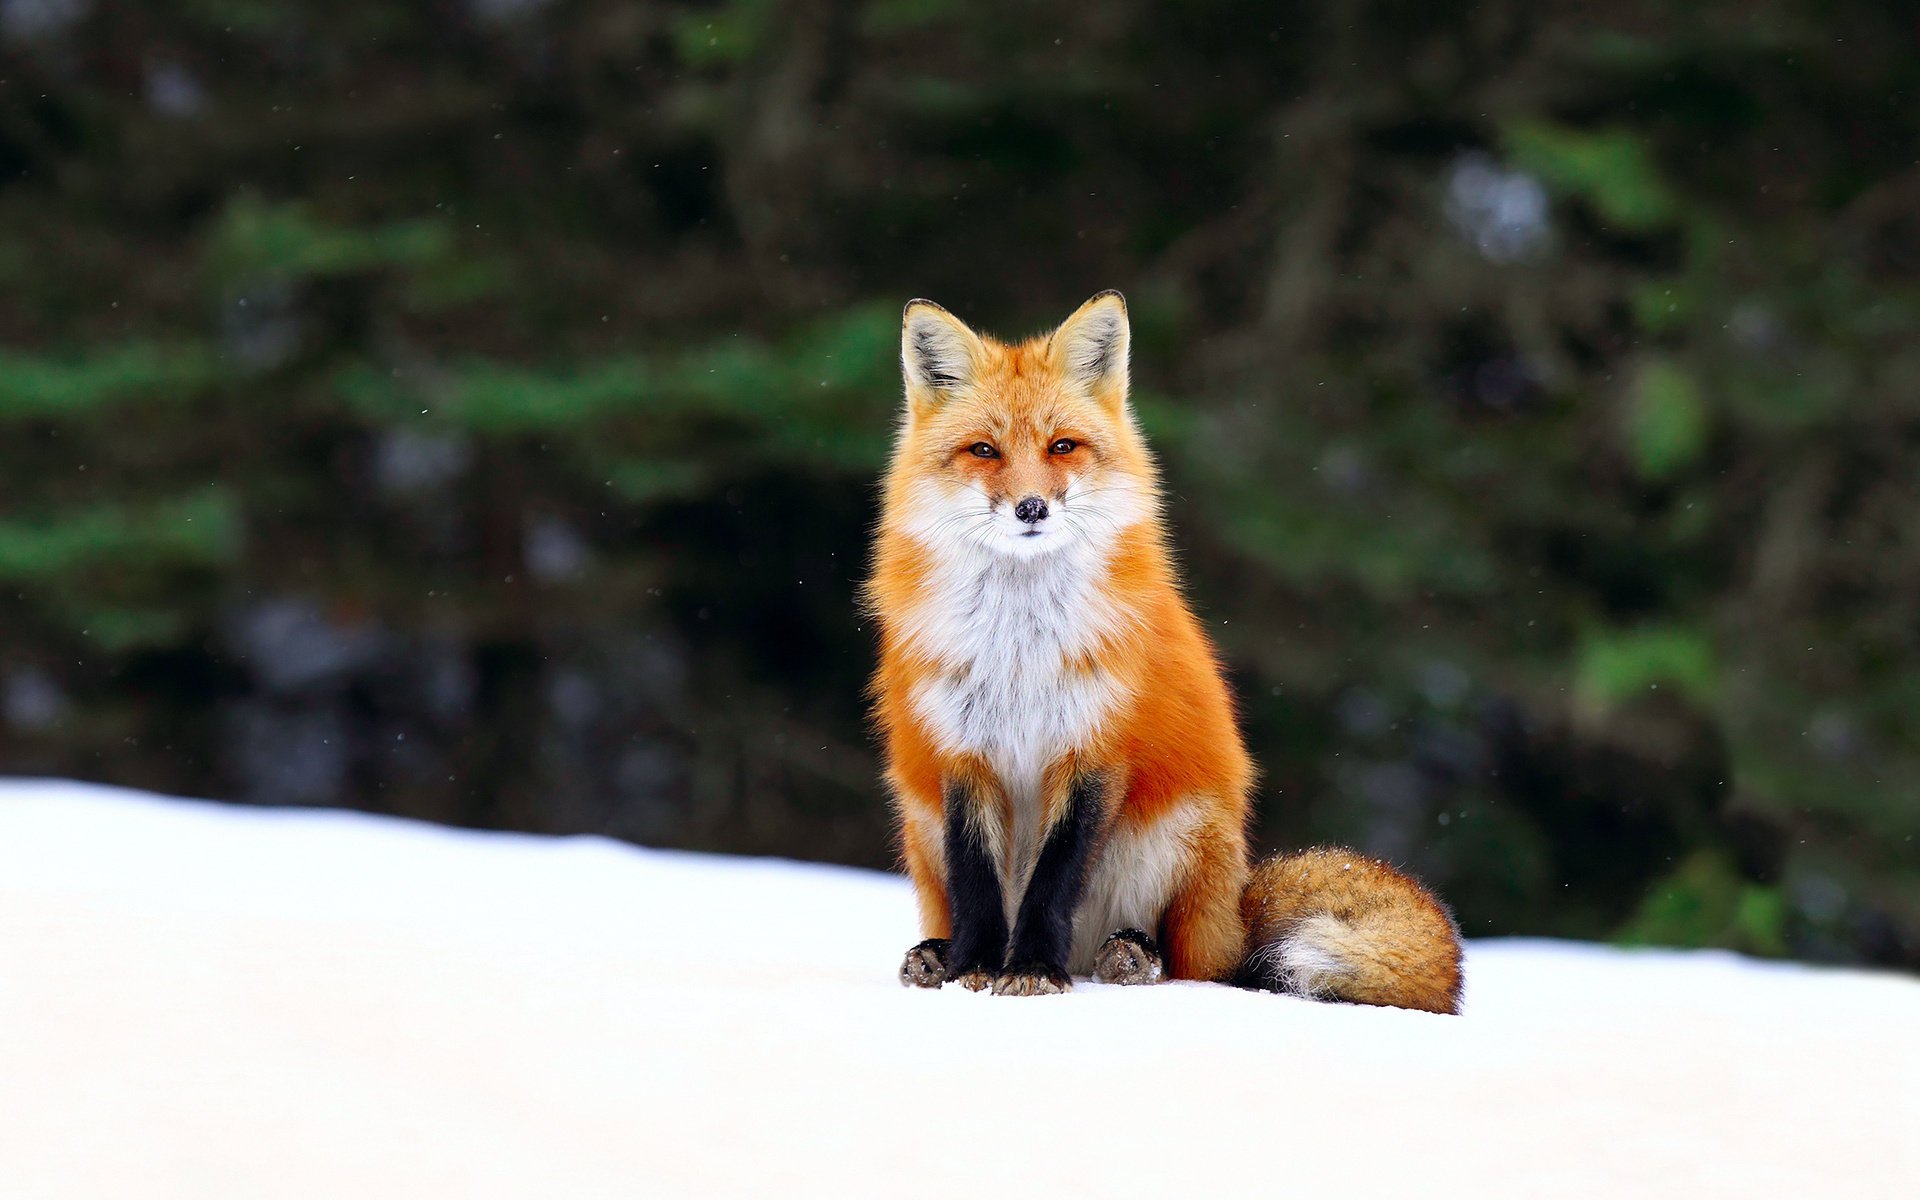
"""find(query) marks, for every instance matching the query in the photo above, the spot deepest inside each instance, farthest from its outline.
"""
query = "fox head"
(1018, 449)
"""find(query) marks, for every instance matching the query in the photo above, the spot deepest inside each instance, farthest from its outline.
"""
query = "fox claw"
(977, 980)
(1032, 979)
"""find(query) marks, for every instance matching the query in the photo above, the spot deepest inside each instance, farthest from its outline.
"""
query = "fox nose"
(1032, 510)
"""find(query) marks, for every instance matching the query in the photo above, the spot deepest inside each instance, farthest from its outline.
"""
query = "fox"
(1069, 786)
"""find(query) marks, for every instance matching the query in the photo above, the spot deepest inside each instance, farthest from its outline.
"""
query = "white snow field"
(205, 1001)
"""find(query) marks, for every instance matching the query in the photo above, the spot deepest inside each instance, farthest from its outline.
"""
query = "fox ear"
(1090, 348)
(938, 353)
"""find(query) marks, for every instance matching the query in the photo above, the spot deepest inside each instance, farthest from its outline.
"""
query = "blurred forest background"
(472, 409)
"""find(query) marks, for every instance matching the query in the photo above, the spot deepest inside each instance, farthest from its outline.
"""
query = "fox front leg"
(1043, 930)
(978, 947)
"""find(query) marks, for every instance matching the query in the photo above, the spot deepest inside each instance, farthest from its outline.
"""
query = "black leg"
(979, 942)
(1043, 931)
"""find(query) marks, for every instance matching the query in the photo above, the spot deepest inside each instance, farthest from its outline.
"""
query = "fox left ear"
(938, 353)
(1090, 348)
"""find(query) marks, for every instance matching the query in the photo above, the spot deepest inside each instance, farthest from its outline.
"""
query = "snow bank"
(202, 1001)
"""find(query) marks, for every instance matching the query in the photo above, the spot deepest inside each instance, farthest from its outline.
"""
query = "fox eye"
(1063, 446)
(983, 450)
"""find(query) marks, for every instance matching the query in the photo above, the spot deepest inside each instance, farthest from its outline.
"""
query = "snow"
(205, 1001)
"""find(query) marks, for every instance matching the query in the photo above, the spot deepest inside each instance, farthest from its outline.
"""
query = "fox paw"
(1128, 957)
(1032, 979)
(925, 965)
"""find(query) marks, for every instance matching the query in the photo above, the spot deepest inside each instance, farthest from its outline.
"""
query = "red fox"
(1066, 770)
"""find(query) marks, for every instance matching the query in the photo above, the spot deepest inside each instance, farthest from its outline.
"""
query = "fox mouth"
(1032, 533)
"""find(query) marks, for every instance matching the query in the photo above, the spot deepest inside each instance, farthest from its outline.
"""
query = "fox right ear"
(1090, 348)
(938, 353)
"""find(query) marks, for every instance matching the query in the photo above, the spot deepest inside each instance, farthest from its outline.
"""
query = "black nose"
(1032, 510)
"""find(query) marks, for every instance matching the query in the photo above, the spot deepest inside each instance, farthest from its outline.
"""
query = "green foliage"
(723, 35)
(488, 398)
(895, 16)
(254, 240)
(1666, 420)
(1610, 169)
(813, 394)
(258, 17)
(1620, 666)
(195, 530)
(1706, 902)
(72, 386)
(1663, 305)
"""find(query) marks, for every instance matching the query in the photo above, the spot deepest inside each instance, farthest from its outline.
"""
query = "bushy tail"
(1336, 925)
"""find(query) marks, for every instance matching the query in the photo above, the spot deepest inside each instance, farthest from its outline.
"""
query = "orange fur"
(1168, 733)
(1397, 943)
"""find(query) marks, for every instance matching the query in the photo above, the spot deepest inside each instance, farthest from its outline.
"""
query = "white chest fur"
(1005, 632)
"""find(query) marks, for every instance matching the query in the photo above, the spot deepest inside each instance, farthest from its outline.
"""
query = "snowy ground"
(202, 1001)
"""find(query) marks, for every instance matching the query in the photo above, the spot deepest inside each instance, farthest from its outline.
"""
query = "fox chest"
(1018, 678)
